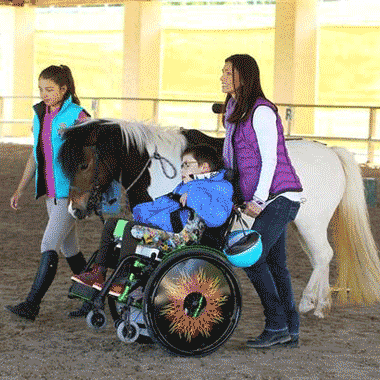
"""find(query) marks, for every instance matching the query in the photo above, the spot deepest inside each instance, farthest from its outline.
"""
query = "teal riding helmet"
(243, 248)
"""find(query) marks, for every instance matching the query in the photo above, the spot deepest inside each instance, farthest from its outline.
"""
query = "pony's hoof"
(322, 309)
(319, 314)
(305, 306)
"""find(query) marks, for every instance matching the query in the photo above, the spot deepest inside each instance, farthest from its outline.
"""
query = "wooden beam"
(61, 3)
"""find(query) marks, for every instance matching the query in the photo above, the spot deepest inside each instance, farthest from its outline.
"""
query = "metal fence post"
(371, 135)
(95, 108)
(219, 125)
(289, 118)
(1, 115)
(155, 110)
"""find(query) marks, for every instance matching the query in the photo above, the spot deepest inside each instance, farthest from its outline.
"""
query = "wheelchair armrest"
(149, 252)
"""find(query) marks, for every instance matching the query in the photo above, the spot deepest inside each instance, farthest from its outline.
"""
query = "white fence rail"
(355, 127)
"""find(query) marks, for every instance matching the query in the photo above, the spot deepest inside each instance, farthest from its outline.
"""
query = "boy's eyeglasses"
(186, 164)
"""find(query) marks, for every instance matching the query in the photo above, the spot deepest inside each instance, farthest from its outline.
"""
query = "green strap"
(119, 229)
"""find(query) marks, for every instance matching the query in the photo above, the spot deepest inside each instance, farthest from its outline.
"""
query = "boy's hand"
(183, 199)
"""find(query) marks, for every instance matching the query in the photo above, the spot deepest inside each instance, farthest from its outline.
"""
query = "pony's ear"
(91, 163)
(92, 137)
(89, 160)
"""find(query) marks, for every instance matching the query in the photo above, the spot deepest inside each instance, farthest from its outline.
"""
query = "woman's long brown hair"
(249, 89)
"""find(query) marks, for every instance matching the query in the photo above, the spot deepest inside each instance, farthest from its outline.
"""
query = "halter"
(95, 193)
(161, 159)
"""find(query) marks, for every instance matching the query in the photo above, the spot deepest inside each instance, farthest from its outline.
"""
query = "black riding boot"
(30, 308)
(77, 263)
(82, 311)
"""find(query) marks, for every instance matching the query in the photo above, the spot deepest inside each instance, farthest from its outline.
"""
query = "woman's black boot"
(30, 308)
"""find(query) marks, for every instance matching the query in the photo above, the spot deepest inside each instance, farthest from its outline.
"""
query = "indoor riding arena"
(160, 62)
(343, 345)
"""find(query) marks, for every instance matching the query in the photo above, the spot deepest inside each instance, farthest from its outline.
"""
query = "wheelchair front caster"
(96, 319)
(128, 334)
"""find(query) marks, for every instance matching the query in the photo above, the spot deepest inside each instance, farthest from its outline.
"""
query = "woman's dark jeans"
(270, 275)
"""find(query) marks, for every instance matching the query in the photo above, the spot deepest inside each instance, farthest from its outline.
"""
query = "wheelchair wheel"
(128, 334)
(192, 302)
(96, 319)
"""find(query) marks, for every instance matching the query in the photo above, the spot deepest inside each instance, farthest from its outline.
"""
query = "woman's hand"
(252, 209)
(15, 199)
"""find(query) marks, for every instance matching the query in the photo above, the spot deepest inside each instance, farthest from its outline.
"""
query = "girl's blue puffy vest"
(67, 116)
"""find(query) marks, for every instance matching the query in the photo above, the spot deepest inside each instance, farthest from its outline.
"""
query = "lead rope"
(162, 160)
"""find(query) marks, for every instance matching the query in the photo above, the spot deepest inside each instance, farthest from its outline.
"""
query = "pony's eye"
(83, 166)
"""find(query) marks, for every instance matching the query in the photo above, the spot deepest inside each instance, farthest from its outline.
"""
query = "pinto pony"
(97, 151)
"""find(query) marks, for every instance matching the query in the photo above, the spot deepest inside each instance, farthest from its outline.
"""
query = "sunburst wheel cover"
(194, 305)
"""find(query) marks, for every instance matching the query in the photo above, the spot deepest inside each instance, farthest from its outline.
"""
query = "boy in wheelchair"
(203, 200)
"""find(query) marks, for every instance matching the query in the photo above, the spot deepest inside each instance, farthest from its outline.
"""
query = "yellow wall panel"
(349, 65)
(94, 58)
(193, 60)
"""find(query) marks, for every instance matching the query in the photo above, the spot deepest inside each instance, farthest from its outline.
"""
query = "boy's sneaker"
(118, 289)
(115, 290)
(97, 274)
(98, 286)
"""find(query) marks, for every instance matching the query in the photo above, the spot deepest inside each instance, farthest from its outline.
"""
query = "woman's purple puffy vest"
(248, 159)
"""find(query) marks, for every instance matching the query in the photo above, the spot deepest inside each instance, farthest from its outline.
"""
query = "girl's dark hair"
(61, 75)
(249, 89)
(205, 153)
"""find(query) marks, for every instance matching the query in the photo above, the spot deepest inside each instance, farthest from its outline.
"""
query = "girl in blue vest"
(58, 109)
(269, 189)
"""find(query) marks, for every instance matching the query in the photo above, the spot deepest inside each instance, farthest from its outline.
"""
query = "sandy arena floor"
(345, 345)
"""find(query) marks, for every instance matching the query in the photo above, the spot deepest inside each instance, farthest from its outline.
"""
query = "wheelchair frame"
(190, 299)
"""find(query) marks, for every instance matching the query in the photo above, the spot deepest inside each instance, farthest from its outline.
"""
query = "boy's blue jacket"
(210, 198)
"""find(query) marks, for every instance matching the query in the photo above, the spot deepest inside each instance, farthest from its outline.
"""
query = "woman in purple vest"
(268, 187)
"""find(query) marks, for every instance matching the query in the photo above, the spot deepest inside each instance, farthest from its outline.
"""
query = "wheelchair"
(188, 301)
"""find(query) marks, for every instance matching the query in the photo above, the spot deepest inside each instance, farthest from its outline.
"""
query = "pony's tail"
(356, 251)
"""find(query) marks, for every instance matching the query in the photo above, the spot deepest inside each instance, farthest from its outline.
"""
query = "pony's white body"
(332, 185)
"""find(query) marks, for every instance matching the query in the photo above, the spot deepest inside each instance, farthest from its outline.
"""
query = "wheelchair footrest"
(85, 292)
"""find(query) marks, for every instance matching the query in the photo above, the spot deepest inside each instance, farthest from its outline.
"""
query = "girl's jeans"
(270, 275)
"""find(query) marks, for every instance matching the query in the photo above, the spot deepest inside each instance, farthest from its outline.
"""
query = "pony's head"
(90, 158)
(97, 151)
